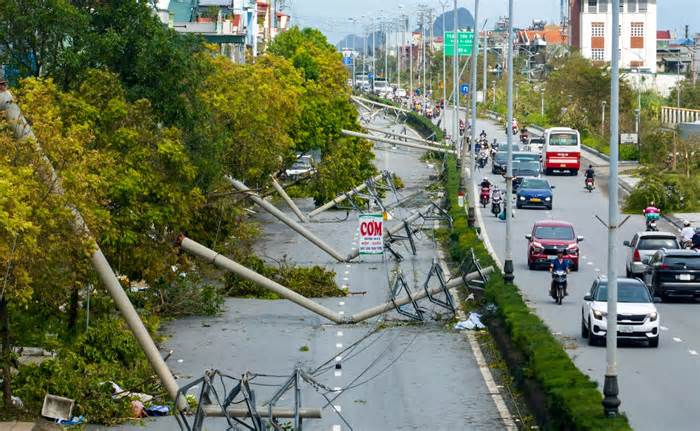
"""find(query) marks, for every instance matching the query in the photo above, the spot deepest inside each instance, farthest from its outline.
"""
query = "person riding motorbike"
(687, 234)
(560, 264)
(485, 194)
(461, 127)
(483, 157)
(496, 195)
(485, 183)
(651, 214)
(590, 175)
(482, 135)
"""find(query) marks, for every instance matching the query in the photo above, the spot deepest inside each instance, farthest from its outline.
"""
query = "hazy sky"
(331, 16)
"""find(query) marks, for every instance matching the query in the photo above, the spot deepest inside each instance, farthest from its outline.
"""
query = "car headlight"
(547, 199)
(599, 314)
(522, 198)
(653, 316)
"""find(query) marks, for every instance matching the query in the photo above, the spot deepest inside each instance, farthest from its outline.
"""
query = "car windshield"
(563, 139)
(526, 156)
(657, 242)
(631, 292)
(526, 167)
(554, 232)
(536, 140)
(535, 184)
(689, 261)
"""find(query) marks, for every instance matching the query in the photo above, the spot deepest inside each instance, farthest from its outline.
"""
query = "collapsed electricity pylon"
(344, 196)
(239, 406)
(227, 264)
(24, 134)
(301, 230)
(440, 148)
(374, 189)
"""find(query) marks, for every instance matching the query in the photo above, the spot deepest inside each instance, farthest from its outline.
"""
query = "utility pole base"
(508, 275)
(611, 402)
(471, 216)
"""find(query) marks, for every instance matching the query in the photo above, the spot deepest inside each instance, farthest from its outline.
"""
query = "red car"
(547, 238)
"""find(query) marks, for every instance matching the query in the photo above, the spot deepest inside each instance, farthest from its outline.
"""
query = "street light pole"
(386, 51)
(455, 59)
(410, 60)
(508, 276)
(493, 88)
(399, 53)
(602, 122)
(610, 387)
(471, 210)
(486, 63)
(542, 102)
(444, 61)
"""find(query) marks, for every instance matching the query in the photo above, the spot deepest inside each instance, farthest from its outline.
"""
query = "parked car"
(673, 273)
(637, 317)
(534, 192)
(302, 166)
(643, 246)
(548, 237)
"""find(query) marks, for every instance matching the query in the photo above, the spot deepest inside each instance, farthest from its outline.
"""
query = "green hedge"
(572, 398)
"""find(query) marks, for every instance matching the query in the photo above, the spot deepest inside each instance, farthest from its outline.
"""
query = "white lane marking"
(584, 257)
(341, 303)
(339, 334)
(336, 428)
(348, 266)
(338, 373)
(337, 408)
(677, 340)
(347, 272)
(344, 287)
(337, 389)
(339, 345)
(589, 263)
(346, 278)
(597, 270)
(663, 328)
(338, 358)
(693, 352)
(341, 313)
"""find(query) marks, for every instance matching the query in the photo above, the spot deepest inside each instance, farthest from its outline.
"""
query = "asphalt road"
(658, 387)
(407, 377)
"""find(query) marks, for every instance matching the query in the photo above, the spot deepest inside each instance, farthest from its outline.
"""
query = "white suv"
(637, 318)
(643, 246)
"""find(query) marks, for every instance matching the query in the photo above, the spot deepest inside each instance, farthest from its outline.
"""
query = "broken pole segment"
(22, 131)
(398, 135)
(288, 200)
(440, 149)
(419, 294)
(211, 410)
(301, 230)
(372, 102)
(342, 197)
(223, 262)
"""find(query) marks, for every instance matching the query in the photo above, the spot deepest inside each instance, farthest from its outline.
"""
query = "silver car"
(643, 246)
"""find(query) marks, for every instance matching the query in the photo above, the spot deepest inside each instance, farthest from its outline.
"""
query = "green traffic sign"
(465, 43)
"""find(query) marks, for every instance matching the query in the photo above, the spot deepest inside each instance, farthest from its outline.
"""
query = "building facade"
(591, 32)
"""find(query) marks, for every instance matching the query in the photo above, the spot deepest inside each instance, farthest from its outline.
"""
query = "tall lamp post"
(444, 4)
(471, 211)
(508, 275)
(455, 59)
(542, 102)
(611, 402)
(602, 120)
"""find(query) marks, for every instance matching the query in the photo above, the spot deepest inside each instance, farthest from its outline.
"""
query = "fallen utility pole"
(301, 230)
(411, 138)
(440, 149)
(277, 412)
(372, 102)
(389, 232)
(343, 197)
(23, 133)
(223, 262)
(288, 200)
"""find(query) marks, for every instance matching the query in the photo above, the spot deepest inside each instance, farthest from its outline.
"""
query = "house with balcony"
(591, 32)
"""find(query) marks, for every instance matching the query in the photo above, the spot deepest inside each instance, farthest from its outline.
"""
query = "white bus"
(561, 150)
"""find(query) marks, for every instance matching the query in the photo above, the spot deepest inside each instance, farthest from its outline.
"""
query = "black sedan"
(674, 273)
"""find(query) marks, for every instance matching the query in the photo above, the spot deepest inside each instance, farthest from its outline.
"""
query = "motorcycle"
(556, 290)
(482, 160)
(485, 196)
(651, 222)
(496, 206)
(589, 185)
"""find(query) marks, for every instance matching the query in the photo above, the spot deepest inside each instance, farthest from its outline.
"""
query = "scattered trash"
(56, 407)
(473, 322)
(17, 402)
(118, 393)
(137, 410)
(76, 420)
(157, 410)
(470, 297)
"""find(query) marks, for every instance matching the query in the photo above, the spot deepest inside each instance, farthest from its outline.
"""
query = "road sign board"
(464, 88)
(370, 75)
(371, 234)
(628, 138)
(465, 43)
(347, 61)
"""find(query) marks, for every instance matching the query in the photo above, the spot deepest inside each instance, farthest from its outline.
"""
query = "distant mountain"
(464, 20)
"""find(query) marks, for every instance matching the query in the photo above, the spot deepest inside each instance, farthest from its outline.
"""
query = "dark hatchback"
(523, 169)
(499, 160)
(674, 273)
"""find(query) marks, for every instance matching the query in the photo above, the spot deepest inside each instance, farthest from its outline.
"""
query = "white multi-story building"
(591, 31)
